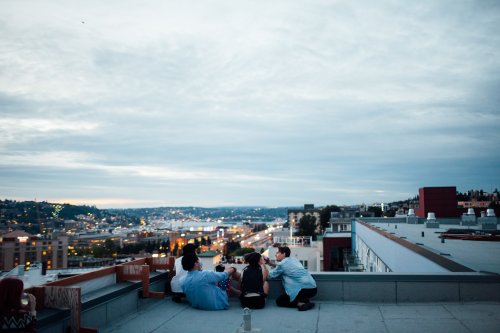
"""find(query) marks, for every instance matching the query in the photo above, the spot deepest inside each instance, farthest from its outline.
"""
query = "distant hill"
(25, 212)
(33, 211)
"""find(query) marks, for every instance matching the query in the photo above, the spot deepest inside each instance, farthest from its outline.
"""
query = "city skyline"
(123, 105)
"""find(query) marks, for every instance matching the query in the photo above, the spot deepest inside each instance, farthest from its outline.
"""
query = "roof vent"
(490, 212)
(431, 216)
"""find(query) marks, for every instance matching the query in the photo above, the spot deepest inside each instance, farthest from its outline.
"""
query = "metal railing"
(352, 262)
(301, 241)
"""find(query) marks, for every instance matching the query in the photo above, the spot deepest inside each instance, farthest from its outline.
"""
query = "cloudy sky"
(274, 103)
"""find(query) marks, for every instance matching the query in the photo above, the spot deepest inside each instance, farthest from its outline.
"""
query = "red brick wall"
(330, 242)
(442, 201)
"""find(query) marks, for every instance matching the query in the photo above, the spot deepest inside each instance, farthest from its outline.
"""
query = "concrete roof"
(16, 233)
(481, 256)
(166, 316)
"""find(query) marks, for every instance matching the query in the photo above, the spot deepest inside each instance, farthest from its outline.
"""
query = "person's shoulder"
(285, 260)
(207, 272)
(290, 262)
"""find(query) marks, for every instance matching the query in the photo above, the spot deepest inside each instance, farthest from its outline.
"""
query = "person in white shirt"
(180, 274)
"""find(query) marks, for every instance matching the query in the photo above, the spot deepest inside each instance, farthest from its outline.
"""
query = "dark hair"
(285, 250)
(188, 261)
(10, 294)
(188, 248)
(253, 259)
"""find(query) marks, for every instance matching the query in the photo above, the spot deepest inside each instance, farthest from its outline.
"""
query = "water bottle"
(247, 320)
(25, 299)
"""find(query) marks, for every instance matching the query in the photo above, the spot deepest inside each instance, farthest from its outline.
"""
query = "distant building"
(20, 248)
(294, 215)
(336, 246)
(337, 240)
(442, 201)
(474, 204)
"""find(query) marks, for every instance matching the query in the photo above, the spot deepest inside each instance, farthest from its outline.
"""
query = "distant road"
(257, 240)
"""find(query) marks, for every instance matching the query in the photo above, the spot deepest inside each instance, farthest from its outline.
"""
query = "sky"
(247, 103)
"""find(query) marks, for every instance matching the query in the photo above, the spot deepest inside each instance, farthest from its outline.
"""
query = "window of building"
(304, 263)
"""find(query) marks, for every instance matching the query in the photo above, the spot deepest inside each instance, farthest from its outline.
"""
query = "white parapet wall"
(383, 254)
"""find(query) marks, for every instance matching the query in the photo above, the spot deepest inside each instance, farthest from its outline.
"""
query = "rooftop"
(480, 256)
(166, 316)
(346, 302)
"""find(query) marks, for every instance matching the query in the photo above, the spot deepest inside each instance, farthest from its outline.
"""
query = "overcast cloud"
(273, 103)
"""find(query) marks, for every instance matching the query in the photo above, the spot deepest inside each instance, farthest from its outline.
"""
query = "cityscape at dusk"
(120, 104)
(308, 166)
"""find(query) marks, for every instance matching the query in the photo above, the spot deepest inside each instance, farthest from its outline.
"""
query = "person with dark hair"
(298, 283)
(201, 287)
(17, 309)
(253, 285)
(180, 274)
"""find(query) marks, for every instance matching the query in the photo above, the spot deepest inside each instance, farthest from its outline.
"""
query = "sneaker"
(306, 306)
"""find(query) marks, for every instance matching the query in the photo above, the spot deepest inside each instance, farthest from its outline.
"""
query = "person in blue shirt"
(201, 287)
(298, 283)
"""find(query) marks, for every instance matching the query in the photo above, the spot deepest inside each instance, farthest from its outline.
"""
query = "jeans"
(302, 297)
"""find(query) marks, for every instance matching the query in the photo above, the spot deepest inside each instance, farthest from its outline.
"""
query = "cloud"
(90, 162)
(248, 102)
(15, 129)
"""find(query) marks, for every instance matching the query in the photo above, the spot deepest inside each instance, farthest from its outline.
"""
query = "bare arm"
(32, 304)
(265, 272)
(241, 279)
(270, 263)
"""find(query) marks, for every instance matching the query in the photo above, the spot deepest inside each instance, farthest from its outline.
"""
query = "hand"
(32, 304)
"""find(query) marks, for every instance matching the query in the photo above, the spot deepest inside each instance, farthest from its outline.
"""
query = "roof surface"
(16, 233)
(167, 316)
(477, 255)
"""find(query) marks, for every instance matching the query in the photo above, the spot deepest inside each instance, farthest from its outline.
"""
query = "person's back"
(201, 287)
(178, 278)
(14, 315)
(203, 293)
(253, 285)
(252, 280)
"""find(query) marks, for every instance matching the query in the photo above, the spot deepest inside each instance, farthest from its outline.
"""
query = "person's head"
(10, 294)
(188, 248)
(253, 259)
(283, 252)
(190, 262)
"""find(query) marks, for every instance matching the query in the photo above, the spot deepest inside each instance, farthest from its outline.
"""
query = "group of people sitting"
(17, 308)
(203, 289)
(209, 290)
